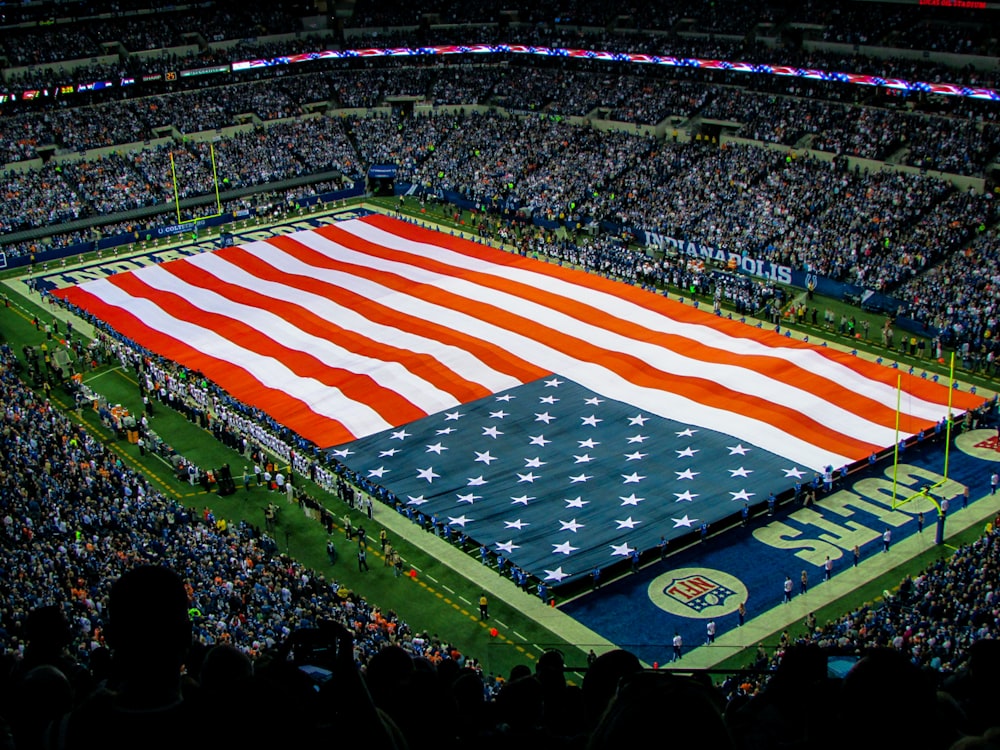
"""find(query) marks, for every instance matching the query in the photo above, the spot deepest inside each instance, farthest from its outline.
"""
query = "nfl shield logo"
(698, 592)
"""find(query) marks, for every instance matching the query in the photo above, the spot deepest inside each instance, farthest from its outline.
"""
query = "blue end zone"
(641, 611)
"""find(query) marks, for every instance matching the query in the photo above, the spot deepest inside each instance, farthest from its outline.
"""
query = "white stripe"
(733, 377)
(389, 375)
(807, 359)
(455, 359)
(319, 397)
(597, 377)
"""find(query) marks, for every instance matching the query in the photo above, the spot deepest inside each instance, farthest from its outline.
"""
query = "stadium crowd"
(574, 87)
(824, 217)
(90, 36)
(76, 518)
(82, 33)
(115, 182)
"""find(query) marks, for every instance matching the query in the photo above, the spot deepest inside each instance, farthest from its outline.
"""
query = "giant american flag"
(560, 418)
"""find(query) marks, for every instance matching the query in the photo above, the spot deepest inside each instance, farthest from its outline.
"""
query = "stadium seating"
(860, 184)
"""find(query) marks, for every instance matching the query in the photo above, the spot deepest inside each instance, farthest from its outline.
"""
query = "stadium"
(481, 375)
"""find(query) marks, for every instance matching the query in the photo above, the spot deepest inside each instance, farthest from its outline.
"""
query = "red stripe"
(422, 365)
(360, 387)
(629, 367)
(917, 387)
(290, 411)
(491, 355)
(395, 409)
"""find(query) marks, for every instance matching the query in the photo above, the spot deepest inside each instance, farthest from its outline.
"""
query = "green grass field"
(439, 600)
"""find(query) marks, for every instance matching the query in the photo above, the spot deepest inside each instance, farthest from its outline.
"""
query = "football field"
(456, 350)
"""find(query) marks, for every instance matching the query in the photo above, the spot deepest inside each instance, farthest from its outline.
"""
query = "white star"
(576, 502)
(793, 472)
(686, 474)
(635, 456)
(585, 458)
(529, 477)
(534, 463)
(686, 495)
(592, 420)
(399, 435)
(547, 399)
(444, 431)
(476, 481)
(492, 432)
(632, 478)
(570, 526)
(390, 453)
(427, 474)
(638, 419)
(563, 549)
(459, 520)
(485, 458)
(469, 498)
(520, 500)
(555, 575)
(436, 448)
(742, 495)
(685, 433)
(628, 523)
(622, 550)
(498, 414)
(544, 417)
(418, 500)
(507, 547)
(740, 472)
(343, 452)
(689, 451)
(518, 524)
(450, 416)
(506, 397)
(539, 440)
(380, 472)
(630, 499)
(638, 438)
(594, 401)
(580, 478)
(678, 522)
(588, 443)
(553, 383)
(737, 450)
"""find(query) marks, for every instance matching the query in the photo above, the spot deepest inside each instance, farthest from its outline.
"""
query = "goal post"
(177, 194)
(925, 493)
